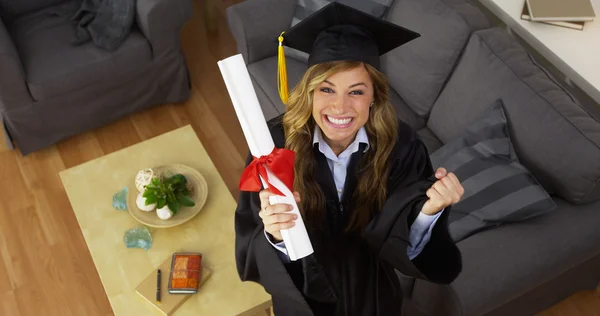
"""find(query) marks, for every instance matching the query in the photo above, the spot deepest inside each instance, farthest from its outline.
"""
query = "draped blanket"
(105, 22)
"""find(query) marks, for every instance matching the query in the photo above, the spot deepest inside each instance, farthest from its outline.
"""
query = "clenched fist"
(276, 217)
(446, 191)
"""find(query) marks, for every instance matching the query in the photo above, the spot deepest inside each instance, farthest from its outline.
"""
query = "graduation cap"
(339, 32)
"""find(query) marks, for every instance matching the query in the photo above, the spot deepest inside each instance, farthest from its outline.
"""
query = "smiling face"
(341, 106)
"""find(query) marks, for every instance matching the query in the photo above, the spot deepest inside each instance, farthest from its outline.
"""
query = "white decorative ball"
(141, 204)
(143, 178)
(164, 212)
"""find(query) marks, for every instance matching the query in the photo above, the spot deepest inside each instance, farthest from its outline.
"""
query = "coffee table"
(91, 186)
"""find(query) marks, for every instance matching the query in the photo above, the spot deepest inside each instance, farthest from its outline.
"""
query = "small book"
(578, 25)
(561, 10)
(169, 302)
(185, 273)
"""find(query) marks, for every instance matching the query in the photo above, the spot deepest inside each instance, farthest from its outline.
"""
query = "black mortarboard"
(339, 32)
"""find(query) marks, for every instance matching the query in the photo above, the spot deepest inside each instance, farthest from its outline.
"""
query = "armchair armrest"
(161, 22)
(255, 25)
(13, 87)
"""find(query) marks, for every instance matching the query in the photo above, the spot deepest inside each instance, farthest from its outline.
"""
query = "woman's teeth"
(339, 121)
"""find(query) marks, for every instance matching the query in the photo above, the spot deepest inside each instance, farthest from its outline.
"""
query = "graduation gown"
(350, 273)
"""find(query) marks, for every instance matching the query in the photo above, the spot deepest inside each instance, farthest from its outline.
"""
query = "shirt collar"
(361, 138)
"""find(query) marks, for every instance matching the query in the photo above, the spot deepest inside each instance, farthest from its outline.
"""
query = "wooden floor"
(45, 266)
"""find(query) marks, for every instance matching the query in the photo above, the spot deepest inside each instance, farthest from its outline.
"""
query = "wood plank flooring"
(45, 266)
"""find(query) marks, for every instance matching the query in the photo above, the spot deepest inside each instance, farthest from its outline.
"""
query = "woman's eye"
(326, 90)
(357, 92)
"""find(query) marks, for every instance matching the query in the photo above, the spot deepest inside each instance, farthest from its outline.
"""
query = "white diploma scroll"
(253, 123)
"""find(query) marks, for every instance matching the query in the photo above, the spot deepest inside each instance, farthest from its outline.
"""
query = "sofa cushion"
(305, 8)
(429, 139)
(554, 137)
(268, 108)
(264, 76)
(404, 112)
(515, 259)
(11, 9)
(497, 188)
(54, 65)
(419, 69)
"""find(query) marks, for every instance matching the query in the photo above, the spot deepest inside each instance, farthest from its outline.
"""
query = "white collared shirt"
(339, 164)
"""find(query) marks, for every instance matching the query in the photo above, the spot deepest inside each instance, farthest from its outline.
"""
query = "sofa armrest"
(255, 25)
(13, 87)
(161, 22)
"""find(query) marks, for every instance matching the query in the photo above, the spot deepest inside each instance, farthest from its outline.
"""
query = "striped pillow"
(498, 189)
(305, 8)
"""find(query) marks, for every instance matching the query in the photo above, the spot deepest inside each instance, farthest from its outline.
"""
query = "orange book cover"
(186, 270)
(170, 302)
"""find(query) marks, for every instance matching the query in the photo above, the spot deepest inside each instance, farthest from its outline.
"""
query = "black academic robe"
(350, 273)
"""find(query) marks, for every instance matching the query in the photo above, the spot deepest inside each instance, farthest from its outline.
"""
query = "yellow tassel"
(282, 84)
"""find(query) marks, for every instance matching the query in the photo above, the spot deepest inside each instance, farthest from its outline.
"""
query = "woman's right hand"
(276, 217)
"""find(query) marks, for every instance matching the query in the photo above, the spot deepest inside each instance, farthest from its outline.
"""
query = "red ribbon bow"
(281, 163)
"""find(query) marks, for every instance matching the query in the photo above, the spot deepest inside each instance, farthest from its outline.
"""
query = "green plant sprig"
(171, 191)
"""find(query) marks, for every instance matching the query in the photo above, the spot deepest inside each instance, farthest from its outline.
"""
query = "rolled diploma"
(253, 123)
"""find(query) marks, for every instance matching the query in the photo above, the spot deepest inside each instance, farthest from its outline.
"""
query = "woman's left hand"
(446, 191)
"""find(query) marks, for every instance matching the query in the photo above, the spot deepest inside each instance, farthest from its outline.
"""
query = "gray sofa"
(439, 83)
(51, 89)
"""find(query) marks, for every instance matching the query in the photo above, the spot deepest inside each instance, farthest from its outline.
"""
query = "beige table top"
(90, 188)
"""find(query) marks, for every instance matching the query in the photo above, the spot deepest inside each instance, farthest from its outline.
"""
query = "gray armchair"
(51, 89)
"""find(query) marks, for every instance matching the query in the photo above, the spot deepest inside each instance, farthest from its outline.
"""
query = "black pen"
(158, 286)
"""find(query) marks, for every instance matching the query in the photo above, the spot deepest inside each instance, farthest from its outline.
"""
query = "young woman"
(363, 180)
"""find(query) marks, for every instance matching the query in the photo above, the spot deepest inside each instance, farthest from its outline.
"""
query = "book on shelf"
(181, 276)
(577, 25)
(560, 10)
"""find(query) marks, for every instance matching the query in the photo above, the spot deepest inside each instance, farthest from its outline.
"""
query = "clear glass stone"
(138, 237)
(120, 200)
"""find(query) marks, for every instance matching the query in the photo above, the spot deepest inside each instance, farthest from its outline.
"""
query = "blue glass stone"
(120, 200)
(138, 237)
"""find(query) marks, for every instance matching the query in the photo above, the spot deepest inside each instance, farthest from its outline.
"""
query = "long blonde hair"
(382, 131)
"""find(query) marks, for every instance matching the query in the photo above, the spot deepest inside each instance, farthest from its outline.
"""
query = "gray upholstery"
(404, 112)
(418, 70)
(502, 264)
(264, 74)
(13, 87)
(11, 9)
(561, 146)
(256, 24)
(518, 268)
(51, 89)
(498, 189)
(161, 21)
(582, 276)
(431, 141)
(305, 8)
(53, 65)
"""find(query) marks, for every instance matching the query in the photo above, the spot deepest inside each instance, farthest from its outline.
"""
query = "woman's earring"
(371, 104)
